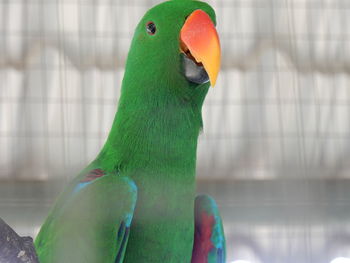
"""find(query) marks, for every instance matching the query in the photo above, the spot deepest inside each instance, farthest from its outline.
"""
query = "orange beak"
(199, 37)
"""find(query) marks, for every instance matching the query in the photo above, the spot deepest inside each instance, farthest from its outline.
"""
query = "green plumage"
(152, 144)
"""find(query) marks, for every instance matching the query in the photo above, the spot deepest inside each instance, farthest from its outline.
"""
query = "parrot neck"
(154, 130)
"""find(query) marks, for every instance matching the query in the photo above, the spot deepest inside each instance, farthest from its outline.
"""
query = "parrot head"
(173, 59)
(176, 47)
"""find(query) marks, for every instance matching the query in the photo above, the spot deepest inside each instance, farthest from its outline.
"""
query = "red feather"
(92, 175)
(202, 242)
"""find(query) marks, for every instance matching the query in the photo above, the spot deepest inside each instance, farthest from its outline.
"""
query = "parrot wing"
(91, 220)
(209, 240)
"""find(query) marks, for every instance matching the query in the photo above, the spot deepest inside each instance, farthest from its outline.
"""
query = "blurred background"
(276, 141)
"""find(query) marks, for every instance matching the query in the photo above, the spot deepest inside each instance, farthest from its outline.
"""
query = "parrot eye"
(151, 28)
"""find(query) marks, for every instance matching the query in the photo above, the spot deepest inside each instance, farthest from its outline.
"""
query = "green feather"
(86, 226)
(154, 137)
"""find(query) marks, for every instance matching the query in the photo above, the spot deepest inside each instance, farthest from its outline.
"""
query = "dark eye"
(151, 28)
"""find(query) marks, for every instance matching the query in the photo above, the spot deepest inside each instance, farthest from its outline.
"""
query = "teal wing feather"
(209, 239)
(90, 221)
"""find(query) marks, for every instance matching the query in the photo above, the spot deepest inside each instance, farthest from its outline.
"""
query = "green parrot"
(136, 201)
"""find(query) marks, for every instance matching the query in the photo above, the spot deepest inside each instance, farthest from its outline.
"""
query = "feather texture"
(90, 222)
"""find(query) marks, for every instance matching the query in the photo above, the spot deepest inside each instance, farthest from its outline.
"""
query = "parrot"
(136, 201)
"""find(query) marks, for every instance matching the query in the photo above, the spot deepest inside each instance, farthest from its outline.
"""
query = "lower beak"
(200, 41)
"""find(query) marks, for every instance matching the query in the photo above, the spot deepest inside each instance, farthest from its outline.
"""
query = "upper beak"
(199, 36)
